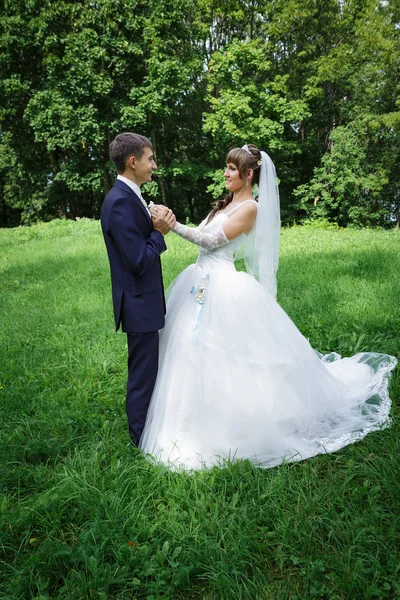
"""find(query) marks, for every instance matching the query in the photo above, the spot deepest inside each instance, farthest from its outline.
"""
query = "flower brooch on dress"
(200, 290)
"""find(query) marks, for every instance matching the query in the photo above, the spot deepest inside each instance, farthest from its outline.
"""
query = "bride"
(237, 380)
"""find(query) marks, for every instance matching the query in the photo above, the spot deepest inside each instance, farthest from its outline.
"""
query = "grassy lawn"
(85, 516)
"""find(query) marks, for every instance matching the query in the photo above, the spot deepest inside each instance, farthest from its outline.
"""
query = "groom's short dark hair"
(126, 144)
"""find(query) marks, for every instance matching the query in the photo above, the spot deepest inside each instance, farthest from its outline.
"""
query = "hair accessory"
(247, 149)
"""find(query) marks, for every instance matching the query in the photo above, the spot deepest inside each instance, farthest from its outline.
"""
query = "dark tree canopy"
(315, 84)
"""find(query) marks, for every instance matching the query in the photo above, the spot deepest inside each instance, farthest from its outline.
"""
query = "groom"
(134, 243)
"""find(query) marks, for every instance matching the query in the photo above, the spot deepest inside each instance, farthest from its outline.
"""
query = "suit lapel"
(138, 201)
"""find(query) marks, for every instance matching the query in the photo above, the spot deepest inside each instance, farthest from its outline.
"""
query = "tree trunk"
(106, 181)
(163, 192)
(161, 181)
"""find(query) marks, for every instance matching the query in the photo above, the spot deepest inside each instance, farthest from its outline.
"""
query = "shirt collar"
(134, 186)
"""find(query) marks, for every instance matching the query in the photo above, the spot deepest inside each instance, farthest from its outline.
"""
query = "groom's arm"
(138, 252)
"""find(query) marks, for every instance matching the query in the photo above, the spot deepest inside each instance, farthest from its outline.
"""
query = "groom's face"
(143, 166)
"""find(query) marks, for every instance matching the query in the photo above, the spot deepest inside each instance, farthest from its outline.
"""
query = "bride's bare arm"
(240, 222)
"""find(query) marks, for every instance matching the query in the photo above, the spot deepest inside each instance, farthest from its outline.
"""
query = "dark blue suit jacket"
(134, 250)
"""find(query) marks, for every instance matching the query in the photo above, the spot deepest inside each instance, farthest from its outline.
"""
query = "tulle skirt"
(238, 380)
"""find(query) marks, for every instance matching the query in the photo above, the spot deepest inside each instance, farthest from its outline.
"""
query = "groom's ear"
(130, 162)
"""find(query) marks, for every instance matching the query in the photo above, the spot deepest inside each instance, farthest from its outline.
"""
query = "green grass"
(85, 516)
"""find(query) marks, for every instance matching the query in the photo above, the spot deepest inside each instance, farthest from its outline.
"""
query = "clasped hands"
(163, 218)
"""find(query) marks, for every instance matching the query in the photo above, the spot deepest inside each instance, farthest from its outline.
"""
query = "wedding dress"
(238, 380)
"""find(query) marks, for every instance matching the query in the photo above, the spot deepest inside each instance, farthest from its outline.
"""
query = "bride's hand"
(163, 218)
(158, 210)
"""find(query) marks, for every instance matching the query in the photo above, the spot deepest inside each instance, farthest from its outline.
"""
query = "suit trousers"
(142, 374)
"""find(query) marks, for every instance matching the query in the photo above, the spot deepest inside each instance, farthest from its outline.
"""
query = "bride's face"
(233, 181)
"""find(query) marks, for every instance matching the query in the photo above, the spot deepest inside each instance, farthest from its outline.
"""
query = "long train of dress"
(237, 379)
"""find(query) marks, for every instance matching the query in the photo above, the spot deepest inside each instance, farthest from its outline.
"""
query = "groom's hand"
(163, 218)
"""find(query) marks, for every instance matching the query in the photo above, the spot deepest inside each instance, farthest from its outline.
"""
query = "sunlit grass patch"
(84, 515)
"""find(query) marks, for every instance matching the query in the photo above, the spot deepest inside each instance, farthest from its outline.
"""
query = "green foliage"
(197, 78)
(84, 515)
(246, 102)
(358, 177)
(217, 187)
(345, 189)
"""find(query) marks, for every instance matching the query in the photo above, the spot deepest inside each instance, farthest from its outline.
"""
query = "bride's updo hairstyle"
(243, 161)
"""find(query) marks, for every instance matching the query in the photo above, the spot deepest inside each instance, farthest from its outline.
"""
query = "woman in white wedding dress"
(237, 380)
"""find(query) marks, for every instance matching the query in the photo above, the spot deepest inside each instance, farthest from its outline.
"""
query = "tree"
(358, 179)
(315, 84)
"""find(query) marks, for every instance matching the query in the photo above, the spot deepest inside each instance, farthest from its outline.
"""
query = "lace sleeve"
(205, 239)
(203, 223)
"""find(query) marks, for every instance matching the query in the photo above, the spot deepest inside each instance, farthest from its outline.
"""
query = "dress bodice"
(222, 257)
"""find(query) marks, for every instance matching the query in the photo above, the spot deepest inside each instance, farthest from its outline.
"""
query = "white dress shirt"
(135, 188)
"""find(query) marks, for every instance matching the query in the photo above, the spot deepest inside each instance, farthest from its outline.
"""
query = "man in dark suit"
(134, 243)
